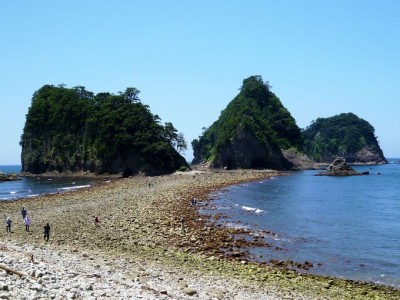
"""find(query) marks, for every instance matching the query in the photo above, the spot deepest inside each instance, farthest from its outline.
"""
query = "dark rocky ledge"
(8, 177)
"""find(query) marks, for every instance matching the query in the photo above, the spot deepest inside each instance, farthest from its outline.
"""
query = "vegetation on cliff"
(342, 135)
(250, 132)
(71, 129)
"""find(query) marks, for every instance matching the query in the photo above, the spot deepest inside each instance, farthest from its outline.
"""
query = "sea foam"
(74, 187)
(252, 209)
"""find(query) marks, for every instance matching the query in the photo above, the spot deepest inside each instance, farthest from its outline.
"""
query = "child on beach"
(8, 224)
(27, 223)
(46, 232)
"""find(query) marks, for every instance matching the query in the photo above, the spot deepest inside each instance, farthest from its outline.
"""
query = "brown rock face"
(369, 156)
(339, 165)
(299, 160)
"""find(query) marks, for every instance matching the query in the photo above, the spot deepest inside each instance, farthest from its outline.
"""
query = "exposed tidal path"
(141, 223)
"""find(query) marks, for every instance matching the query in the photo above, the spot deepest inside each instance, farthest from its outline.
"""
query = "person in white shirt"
(27, 223)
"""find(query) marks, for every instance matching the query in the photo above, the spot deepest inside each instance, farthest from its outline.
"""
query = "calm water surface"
(350, 225)
(30, 187)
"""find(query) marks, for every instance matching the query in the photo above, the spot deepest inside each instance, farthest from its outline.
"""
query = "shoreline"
(140, 221)
(71, 175)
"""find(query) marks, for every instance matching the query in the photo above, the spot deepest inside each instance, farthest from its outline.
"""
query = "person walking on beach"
(27, 223)
(46, 232)
(8, 224)
(96, 221)
(23, 213)
(182, 221)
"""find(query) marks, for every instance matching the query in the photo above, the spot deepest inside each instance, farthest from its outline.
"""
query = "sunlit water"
(31, 187)
(350, 225)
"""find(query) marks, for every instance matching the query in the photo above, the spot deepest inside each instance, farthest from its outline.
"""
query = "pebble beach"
(151, 243)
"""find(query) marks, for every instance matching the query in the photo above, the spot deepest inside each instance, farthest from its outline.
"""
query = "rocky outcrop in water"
(8, 177)
(339, 167)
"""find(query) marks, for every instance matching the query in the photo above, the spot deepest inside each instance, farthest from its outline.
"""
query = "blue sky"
(188, 58)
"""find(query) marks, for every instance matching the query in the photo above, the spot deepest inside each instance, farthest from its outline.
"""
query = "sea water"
(34, 186)
(346, 226)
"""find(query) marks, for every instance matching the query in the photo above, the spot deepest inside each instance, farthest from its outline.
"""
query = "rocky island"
(254, 131)
(71, 130)
(345, 135)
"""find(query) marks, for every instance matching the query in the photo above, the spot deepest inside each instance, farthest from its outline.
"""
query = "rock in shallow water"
(339, 167)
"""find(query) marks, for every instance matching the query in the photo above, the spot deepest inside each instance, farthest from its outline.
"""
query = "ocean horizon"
(11, 168)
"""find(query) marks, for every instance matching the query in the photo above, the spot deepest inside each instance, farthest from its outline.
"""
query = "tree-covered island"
(344, 135)
(251, 132)
(256, 131)
(74, 130)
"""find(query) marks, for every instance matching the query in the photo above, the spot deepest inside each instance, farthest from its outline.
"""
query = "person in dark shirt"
(46, 232)
(8, 224)
(23, 213)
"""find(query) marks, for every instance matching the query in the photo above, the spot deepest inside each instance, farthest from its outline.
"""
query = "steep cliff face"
(342, 135)
(244, 151)
(73, 130)
(299, 160)
(368, 155)
(250, 132)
